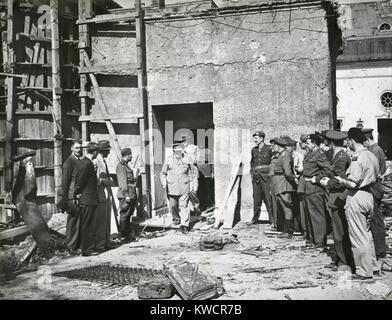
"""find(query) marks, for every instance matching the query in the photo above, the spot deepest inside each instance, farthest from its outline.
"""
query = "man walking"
(283, 182)
(337, 200)
(67, 202)
(179, 177)
(126, 192)
(377, 223)
(260, 163)
(104, 207)
(86, 194)
(361, 174)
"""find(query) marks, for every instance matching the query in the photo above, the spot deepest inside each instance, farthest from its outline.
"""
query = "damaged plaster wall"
(257, 74)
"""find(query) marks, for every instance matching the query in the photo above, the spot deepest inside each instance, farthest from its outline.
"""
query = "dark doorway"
(385, 136)
(169, 122)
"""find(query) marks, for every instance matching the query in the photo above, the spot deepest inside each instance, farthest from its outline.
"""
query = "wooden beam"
(121, 117)
(111, 17)
(56, 102)
(32, 37)
(123, 69)
(14, 232)
(102, 105)
(13, 75)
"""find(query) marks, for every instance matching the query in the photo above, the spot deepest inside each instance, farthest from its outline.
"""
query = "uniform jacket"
(104, 180)
(283, 179)
(86, 183)
(260, 157)
(337, 194)
(379, 153)
(178, 175)
(316, 165)
(126, 181)
(69, 175)
(364, 169)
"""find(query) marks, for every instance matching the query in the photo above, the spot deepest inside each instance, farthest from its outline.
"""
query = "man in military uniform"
(126, 193)
(337, 200)
(283, 184)
(260, 163)
(67, 202)
(277, 221)
(377, 224)
(361, 175)
(316, 166)
(179, 176)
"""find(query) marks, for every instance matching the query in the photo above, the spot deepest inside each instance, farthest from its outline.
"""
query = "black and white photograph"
(214, 151)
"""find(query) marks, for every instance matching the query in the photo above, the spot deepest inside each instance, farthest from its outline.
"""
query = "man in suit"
(86, 194)
(104, 207)
(377, 225)
(260, 165)
(67, 202)
(126, 192)
(283, 184)
(337, 200)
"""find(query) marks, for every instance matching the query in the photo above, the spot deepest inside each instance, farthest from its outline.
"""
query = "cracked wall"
(257, 74)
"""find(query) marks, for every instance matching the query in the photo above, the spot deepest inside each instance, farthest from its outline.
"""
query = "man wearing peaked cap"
(260, 164)
(377, 225)
(336, 202)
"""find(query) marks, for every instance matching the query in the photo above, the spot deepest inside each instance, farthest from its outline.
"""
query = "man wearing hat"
(377, 224)
(126, 192)
(283, 185)
(361, 174)
(179, 178)
(104, 207)
(337, 200)
(316, 166)
(86, 195)
(260, 163)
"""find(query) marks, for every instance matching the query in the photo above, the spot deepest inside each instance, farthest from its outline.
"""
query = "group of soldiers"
(326, 182)
(87, 197)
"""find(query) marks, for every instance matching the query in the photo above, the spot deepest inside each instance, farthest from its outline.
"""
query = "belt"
(278, 173)
(266, 166)
(366, 188)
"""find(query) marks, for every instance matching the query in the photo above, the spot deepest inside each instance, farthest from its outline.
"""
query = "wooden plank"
(14, 232)
(31, 37)
(111, 17)
(13, 75)
(103, 107)
(114, 69)
(127, 118)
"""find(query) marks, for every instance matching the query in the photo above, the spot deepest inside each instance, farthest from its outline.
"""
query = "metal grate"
(110, 274)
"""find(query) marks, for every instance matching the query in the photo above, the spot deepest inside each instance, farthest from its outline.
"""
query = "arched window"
(384, 27)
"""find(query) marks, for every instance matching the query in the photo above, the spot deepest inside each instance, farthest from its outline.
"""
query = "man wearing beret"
(86, 196)
(179, 177)
(283, 185)
(126, 193)
(337, 200)
(361, 174)
(377, 224)
(104, 207)
(260, 162)
(316, 166)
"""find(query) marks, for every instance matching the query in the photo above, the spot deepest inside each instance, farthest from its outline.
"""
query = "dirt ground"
(304, 267)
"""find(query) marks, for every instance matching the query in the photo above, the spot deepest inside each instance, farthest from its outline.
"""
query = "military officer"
(126, 192)
(260, 162)
(179, 176)
(337, 200)
(283, 184)
(361, 174)
(316, 166)
(277, 221)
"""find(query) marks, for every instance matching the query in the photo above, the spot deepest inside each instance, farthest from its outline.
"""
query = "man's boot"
(288, 230)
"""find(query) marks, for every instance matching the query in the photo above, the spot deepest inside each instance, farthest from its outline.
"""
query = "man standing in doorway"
(67, 202)
(260, 163)
(377, 223)
(104, 207)
(361, 175)
(179, 177)
(86, 194)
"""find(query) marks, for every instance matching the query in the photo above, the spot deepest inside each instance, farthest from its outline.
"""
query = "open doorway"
(385, 136)
(169, 122)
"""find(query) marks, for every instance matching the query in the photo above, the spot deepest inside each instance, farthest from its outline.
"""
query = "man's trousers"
(102, 225)
(359, 210)
(87, 229)
(316, 215)
(262, 192)
(285, 209)
(179, 208)
(126, 211)
(72, 236)
(377, 228)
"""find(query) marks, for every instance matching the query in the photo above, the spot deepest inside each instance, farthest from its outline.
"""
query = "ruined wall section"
(257, 74)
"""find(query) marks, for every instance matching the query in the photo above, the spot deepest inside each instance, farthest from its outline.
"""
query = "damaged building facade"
(220, 70)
